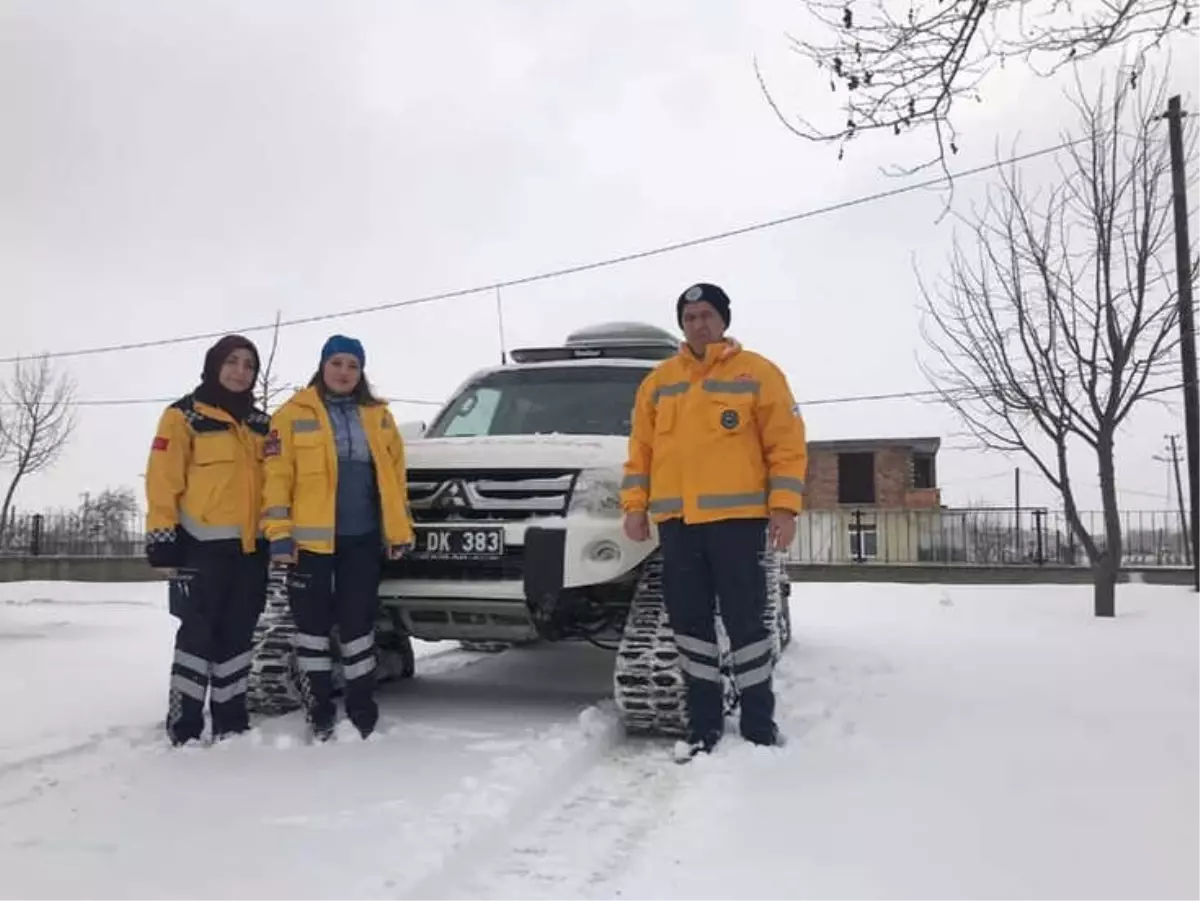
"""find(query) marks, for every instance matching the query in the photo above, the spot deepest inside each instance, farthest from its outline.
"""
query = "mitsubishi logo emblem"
(452, 496)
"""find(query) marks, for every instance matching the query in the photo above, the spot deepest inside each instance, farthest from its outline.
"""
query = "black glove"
(163, 550)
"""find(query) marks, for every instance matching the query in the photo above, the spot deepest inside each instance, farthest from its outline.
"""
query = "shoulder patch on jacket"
(160, 443)
(198, 422)
(258, 422)
(184, 403)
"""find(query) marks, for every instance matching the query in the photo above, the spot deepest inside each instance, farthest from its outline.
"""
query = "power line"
(421, 402)
(811, 402)
(141, 401)
(860, 398)
(814, 402)
(559, 273)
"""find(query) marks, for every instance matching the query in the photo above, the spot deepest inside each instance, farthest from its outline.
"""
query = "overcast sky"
(170, 168)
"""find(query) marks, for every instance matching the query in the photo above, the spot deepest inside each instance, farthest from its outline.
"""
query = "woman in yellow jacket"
(335, 502)
(203, 491)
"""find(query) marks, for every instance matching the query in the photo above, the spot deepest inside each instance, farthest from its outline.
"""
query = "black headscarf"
(212, 392)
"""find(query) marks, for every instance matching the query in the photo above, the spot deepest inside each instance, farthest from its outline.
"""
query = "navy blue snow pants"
(339, 589)
(218, 596)
(701, 563)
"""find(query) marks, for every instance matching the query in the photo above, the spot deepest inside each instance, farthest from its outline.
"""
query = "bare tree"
(269, 387)
(1059, 317)
(36, 425)
(897, 73)
(108, 516)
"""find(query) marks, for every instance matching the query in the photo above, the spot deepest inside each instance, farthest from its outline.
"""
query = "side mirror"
(410, 431)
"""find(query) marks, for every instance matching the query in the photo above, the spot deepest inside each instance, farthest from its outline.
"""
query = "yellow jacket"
(300, 492)
(204, 474)
(717, 438)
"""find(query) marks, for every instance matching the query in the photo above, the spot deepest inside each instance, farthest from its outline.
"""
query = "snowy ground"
(945, 742)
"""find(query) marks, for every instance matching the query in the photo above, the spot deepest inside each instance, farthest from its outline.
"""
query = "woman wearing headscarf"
(203, 493)
(335, 504)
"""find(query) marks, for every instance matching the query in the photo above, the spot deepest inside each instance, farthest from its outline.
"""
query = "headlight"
(597, 492)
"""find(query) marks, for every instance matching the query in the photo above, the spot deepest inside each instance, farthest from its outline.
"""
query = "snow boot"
(321, 723)
(228, 732)
(181, 735)
(774, 739)
(685, 751)
(185, 718)
(365, 721)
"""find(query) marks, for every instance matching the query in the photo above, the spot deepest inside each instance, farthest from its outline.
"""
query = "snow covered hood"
(518, 452)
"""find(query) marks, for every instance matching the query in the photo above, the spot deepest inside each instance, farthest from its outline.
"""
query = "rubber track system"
(274, 686)
(778, 615)
(648, 685)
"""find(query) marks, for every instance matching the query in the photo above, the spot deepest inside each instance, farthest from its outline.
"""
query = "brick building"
(888, 473)
(874, 499)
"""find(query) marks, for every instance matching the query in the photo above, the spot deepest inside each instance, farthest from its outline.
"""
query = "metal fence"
(994, 536)
(73, 534)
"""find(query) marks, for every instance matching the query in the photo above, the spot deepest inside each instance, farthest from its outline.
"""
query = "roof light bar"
(616, 340)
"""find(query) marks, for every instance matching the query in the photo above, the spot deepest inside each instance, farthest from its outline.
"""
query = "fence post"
(1038, 523)
(35, 535)
(858, 538)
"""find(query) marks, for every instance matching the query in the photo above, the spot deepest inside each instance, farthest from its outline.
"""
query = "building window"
(924, 475)
(856, 478)
(864, 541)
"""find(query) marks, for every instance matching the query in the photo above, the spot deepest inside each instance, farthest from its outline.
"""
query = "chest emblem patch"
(729, 419)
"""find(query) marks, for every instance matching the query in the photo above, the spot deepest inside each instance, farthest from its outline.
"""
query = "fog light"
(604, 551)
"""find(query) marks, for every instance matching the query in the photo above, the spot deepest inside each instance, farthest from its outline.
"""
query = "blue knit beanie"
(340, 344)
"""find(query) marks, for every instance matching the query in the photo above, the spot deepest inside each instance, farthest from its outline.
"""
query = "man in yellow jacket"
(717, 460)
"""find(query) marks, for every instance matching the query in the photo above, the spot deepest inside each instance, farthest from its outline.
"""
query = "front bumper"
(481, 599)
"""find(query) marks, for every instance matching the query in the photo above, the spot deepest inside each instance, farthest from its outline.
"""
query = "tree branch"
(904, 74)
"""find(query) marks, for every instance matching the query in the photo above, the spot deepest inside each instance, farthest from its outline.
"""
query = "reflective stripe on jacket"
(300, 493)
(204, 474)
(715, 438)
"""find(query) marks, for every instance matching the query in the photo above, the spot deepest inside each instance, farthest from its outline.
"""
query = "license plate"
(482, 543)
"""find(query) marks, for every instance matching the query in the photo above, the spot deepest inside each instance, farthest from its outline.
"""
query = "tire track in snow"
(131, 738)
(514, 794)
(37, 774)
(600, 824)
(593, 834)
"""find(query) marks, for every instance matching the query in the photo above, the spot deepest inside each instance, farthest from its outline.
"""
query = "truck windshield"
(570, 400)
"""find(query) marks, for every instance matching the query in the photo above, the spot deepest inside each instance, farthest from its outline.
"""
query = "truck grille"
(442, 496)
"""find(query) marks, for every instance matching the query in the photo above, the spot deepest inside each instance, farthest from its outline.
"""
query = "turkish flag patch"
(160, 443)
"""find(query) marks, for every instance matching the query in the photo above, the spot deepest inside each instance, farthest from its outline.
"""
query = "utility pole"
(500, 327)
(1017, 504)
(1183, 523)
(1187, 325)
